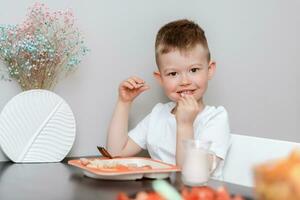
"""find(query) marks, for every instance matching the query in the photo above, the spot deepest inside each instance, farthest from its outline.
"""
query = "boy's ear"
(211, 69)
(157, 76)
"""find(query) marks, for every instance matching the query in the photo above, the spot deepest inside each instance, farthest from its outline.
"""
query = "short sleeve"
(217, 131)
(139, 133)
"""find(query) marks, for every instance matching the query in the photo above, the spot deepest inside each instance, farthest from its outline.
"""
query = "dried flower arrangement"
(41, 50)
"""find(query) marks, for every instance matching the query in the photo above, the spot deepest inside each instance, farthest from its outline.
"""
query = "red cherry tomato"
(122, 196)
(154, 196)
(238, 197)
(185, 193)
(222, 194)
(204, 193)
(198, 193)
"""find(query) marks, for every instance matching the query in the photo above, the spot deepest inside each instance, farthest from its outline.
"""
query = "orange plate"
(158, 169)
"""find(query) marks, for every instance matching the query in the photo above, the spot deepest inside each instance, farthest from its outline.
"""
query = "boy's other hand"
(131, 88)
(187, 110)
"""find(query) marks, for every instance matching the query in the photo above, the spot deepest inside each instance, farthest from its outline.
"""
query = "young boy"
(184, 69)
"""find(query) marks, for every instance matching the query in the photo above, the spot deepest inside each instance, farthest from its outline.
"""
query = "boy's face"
(185, 73)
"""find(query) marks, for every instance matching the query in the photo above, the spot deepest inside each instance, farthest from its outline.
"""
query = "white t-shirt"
(157, 132)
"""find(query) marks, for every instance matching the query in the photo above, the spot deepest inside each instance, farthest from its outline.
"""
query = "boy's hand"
(187, 110)
(131, 88)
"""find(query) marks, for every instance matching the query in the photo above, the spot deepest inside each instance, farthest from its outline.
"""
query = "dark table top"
(62, 181)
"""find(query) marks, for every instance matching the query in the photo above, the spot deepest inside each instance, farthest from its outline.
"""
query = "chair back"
(247, 151)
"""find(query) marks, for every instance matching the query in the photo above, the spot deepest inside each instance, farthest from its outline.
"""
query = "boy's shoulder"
(211, 112)
(208, 113)
(208, 110)
(169, 105)
(214, 109)
(163, 107)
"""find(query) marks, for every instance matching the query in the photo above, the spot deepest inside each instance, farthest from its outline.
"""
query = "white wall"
(255, 43)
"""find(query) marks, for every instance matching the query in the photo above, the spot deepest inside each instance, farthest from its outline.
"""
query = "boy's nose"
(185, 80)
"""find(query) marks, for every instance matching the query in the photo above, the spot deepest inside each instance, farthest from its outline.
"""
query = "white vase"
(37, 126)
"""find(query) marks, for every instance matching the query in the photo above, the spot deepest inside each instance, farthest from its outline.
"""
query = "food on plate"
(164, 191)
(112, 165)
(84, 161)
(279, 179)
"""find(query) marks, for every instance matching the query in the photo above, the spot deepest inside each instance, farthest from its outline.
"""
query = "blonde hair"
(182, 35)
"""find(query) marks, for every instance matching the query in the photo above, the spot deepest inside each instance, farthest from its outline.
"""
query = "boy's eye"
(172, 74)
(195, 69)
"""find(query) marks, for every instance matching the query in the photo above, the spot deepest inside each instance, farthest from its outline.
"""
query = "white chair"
(248, 151)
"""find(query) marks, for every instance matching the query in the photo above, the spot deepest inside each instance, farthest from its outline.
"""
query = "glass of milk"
(199, 162)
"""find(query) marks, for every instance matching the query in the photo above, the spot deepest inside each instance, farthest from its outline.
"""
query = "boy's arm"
(187, 111)
(184, 131)
(118, 142)
(118, 128)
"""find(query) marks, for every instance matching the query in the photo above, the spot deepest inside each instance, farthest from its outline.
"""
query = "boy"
(184, 68)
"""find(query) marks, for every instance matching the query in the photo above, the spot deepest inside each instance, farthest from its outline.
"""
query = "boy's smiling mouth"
(185, 92)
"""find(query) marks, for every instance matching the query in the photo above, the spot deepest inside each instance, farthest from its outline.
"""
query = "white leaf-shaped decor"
(37, 126)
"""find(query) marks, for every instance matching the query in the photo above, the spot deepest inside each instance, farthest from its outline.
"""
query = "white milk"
(196, 167)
